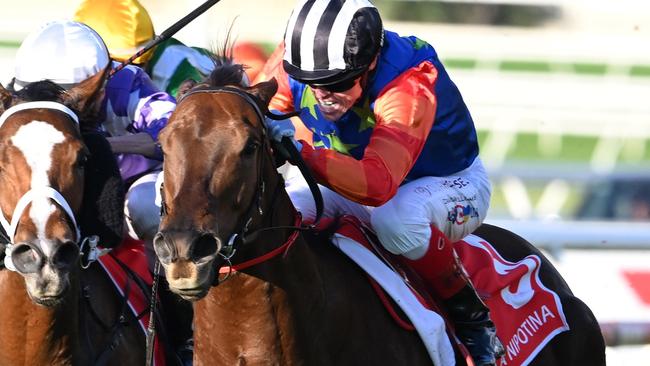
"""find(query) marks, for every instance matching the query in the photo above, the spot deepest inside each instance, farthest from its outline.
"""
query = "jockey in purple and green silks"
(134, 105)
(133, 112)
(125, 26)
(133, 109)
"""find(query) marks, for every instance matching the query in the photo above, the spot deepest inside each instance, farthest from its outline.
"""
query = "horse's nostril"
(205, 247)
(163, 249)
(26, 259)
(65, 256)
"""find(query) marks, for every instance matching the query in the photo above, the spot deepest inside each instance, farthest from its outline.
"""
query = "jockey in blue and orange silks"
(390, 140)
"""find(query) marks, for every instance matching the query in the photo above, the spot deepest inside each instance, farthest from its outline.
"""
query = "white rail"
(556, 236)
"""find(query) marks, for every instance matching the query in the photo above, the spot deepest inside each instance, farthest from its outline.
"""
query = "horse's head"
(216, 150)
(42, 157)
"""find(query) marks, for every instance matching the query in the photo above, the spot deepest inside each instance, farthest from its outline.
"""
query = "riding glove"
(280, 129)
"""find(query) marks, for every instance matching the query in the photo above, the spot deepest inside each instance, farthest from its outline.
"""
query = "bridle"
(37, 192)
(243, 235)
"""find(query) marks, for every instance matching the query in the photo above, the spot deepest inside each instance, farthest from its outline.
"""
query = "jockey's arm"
(140, 143)
(136, 106)
(404, 113)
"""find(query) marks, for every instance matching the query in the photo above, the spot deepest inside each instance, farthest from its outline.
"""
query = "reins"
(284, 248)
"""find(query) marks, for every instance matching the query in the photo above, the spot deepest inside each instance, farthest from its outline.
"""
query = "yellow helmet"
(124, 25)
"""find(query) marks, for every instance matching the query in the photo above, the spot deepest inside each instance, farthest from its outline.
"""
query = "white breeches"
(456, 205)
(142, 213)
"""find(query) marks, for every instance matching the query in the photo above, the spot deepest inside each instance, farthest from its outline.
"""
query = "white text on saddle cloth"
(527, 314)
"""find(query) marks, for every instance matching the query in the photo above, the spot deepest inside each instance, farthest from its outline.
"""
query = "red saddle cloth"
(131, 253)
(526, 313)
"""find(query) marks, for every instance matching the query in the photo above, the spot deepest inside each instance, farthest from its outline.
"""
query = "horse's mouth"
(48, 292)
(190, 294)
(49, 301)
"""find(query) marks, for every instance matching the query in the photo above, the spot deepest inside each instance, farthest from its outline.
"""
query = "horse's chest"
(244, 321)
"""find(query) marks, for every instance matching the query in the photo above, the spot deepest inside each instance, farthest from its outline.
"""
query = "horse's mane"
(226, 70)
(44, 90)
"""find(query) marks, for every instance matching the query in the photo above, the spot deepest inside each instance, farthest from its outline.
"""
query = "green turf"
(526, 66)
(461, 63)
(640, 70)
(9, 44)
(569, 149)
(590, 68)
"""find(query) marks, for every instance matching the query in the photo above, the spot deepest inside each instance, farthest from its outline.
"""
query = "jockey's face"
(334, 104)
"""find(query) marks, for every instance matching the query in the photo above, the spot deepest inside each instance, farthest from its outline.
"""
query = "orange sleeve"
(404, 113)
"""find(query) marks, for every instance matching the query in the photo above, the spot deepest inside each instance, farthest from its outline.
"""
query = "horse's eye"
(250, 148)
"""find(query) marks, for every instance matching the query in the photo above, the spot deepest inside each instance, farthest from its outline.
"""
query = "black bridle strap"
(284, 248)
(296, 159)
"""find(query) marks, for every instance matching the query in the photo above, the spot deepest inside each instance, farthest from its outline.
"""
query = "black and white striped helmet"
(329, 41)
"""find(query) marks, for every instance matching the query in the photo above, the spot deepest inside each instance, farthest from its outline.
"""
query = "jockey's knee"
(142, 214)
(400, 230)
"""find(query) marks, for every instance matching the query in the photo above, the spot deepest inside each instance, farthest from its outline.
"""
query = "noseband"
(38, 192)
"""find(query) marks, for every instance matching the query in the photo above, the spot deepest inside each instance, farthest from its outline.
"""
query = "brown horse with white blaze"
(52, 312)
(290, 302)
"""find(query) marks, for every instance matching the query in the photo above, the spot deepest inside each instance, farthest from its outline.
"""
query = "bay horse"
(290, 302)
(53, 313)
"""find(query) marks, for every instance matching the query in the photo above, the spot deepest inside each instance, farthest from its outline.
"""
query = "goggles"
(337, 87)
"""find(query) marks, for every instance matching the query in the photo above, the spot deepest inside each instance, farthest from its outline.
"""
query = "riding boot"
(474, 327)
(442, 272)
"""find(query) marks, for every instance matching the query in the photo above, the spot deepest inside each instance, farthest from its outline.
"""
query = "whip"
(165, 35)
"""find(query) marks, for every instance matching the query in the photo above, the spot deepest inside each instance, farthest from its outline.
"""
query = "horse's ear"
(264, 90)
(83, 96)
(5, 99)
(184, 88)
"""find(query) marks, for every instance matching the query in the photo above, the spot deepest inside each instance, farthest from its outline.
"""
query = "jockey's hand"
(280, 129)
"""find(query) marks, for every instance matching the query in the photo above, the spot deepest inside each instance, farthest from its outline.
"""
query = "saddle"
(526, 313)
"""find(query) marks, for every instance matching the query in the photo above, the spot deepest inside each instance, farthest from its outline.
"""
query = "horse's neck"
(255, 310)
(274, 309)
(284, 268)
(32, 334)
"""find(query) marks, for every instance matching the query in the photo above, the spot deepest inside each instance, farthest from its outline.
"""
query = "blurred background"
(560, 94)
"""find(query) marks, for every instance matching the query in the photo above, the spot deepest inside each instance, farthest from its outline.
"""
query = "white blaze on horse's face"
(36, 140)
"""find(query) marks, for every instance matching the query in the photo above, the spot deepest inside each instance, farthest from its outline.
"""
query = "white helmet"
(65, 52)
